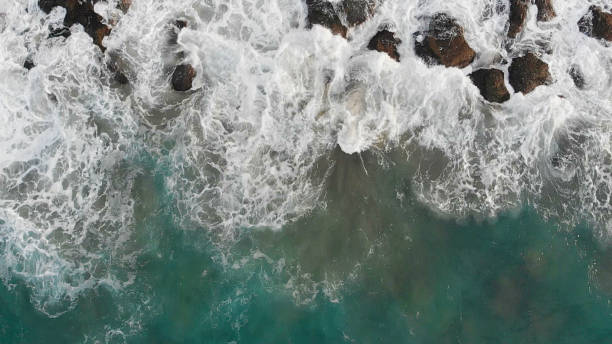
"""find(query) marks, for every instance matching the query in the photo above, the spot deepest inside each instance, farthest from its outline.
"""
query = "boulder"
(385, 42)
(357, 11)
(491, 84)
(518, 14)
(596, 23)
(182, 77)
(79, 12)
(546, 11)
(322, 13)
(444, 43)
(528, 72)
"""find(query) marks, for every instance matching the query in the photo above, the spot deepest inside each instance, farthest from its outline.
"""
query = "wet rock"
(28, 64)
(322, 13)
(444, 43)
(357, 11)
(114, 68)
(60, 32)
(577, 76)
(385, 42)
(121, 78)
(596, 23)
(124, 5)
(183, 76)
(546, 11)
(180, 24)
(80, 12)
(491, 84)
(518, 14)
(528, 72)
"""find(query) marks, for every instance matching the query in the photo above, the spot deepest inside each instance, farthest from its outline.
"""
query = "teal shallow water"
(374, 266)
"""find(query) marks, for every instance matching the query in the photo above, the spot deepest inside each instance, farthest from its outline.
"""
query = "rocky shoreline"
(443, 43)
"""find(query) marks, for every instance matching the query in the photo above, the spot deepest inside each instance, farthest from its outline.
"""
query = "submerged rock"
(79, 12)
(323, 13)
(385, 42)
(182, 77)
(546, 11)
(518, 14)
(357, 11)
(596, 23)
(491, 84)
(528, 72)
(444, 43)
(28, 64)
(577, 76)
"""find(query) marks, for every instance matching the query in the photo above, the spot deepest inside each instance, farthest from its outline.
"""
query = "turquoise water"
(373, 266)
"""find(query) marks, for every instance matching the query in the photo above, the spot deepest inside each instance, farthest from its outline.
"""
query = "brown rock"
(444, 43)
(385, 42)
(528, 72)
(596, 23)
(546, 11)
(182, 77)
(518, 14)
(357, 11)
(322, 13)
(124, 5)
(79, 12)
(491, 84)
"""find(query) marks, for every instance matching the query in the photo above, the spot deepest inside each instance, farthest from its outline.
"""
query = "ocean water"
(306, 189)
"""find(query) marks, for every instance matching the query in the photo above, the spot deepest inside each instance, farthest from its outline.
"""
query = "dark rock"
(528, 72)
(322, 13)
(357, 11)
(28, 64)
(444, 43)
(182, 77)
(121, 78)
(491, 84)
(385, 42)
(577, 76)
(80, 12)
(546, 11)
(596, 23)
(180, 24)
(518, 14)
(60, 32)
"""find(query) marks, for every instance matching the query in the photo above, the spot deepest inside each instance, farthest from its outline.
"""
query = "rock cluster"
(78, 12)
(444, 43)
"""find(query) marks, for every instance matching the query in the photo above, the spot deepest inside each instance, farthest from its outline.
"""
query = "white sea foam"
(271, 99)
